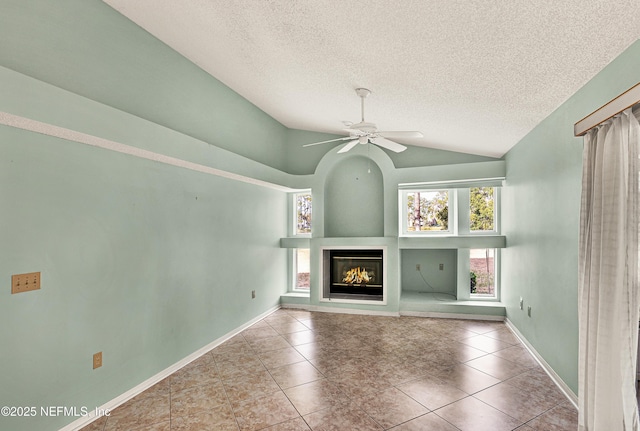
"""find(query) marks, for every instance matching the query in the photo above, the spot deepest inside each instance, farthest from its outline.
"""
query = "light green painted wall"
(430, 278)
(354, 199)
(419, 156)
(304, 160)
(540, 218)
(86, 47)
(144, 262)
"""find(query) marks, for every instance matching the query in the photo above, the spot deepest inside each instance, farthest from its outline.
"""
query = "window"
(482, 209)
(426, 212)
(449, 211)
(483, 272)
(302, 204)
(301, 265)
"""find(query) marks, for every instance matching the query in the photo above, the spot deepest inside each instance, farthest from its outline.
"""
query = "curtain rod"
(608, 110)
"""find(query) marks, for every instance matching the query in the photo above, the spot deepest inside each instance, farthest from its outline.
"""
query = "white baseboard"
(545, 366)
(110, 405)
(394, 314)
(295, 306)
(323, 309)
(452, 315)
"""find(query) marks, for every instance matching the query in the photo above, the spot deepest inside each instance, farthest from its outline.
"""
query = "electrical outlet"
(442, 267)
(529, 311)
(97, 360)
(521, 303)
(25, 282)
(253, 294)
(417, 267)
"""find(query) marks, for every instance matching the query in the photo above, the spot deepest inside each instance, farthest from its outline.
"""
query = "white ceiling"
(473, 75)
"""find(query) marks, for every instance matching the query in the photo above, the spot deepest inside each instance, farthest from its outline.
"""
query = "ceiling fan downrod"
(362, 93)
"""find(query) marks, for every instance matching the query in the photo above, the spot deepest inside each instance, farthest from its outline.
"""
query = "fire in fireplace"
(356, 273)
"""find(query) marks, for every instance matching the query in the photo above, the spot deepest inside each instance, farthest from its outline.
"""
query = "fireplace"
(354, 274)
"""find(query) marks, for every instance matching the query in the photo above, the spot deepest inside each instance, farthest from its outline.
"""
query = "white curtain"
(608, 278)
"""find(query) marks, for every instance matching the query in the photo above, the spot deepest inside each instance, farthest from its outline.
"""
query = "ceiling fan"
(365, 133)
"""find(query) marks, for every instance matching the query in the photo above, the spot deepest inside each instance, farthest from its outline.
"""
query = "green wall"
(540, 218)
(304, 160)
(430, 278)
(87, 47)
(354, 199)
(142, 261)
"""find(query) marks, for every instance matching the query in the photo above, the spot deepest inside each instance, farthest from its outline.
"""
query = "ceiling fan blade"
(400, 135)
(349, 146)
(326, 142)
(389, 145)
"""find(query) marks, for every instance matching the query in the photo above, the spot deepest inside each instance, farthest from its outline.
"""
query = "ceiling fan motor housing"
(364, 127)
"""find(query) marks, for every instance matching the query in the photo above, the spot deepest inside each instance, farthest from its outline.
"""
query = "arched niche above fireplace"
(354, 199)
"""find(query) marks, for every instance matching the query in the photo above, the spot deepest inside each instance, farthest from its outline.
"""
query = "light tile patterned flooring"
(297, 370)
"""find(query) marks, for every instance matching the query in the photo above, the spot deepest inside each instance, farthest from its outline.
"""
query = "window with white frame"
(301, 269)
(302, 213)
(427, 212)
(482, 204)
(449, 211)
(483, 264)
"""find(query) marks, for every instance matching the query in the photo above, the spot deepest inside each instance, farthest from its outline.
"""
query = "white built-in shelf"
(461, 241)
(423, 242)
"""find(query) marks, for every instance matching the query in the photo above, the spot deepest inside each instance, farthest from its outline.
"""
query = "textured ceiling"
(473, 76)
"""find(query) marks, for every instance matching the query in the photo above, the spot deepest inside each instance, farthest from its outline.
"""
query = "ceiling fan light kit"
(367, 133)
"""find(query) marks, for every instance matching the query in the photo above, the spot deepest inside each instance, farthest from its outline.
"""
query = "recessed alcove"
(429, 271)
(354, 199)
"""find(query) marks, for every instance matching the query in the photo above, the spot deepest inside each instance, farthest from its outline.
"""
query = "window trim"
(294, 208)
(496, 279)
(459, 212)
(452, 213)
(496, 213)
(294, 272)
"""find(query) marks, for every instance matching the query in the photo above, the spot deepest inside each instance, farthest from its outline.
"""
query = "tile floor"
(297, 370)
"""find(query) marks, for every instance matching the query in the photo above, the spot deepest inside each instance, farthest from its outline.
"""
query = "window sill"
(460, 241)
(296, 294)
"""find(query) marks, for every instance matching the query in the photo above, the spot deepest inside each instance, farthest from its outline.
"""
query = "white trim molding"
(438, 315)
(323, 309)
(566, 390)
(30, 125)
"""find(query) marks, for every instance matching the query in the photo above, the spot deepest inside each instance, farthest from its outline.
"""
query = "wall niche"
(354, 199)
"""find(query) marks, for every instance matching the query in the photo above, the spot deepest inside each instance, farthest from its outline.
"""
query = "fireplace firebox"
(356, 274)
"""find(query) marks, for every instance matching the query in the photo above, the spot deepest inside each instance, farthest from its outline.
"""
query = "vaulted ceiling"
(472, 76)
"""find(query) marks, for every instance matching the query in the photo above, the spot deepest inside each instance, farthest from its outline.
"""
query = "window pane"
(302, 268)
(303, 213)
(483, 275)
(481, 205)
(428, 211)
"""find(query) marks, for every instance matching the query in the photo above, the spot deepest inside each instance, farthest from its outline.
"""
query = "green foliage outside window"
(303, 213)
(481, 207)
(428, 211)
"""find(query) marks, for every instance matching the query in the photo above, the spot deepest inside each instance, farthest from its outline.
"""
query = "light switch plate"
(25, 282)
(97, 360)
